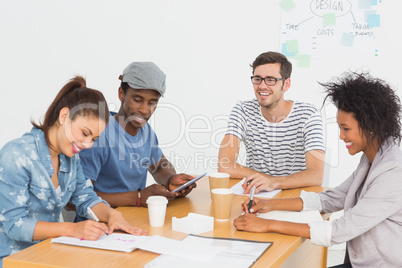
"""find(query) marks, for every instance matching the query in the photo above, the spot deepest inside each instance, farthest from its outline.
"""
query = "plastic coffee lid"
(222, 191)
(219, 175)
(157, 199)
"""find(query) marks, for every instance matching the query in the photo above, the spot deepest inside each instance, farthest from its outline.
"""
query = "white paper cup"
(157, 210)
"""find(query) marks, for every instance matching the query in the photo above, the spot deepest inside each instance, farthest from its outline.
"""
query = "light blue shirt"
(119, 162)
(27, 194)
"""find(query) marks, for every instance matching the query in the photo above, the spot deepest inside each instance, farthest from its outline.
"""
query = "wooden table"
(286, 251)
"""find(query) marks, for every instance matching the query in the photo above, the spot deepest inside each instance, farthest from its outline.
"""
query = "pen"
(251, 198)
(92, 214)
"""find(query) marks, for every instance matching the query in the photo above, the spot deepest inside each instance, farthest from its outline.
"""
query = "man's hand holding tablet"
(187, 184)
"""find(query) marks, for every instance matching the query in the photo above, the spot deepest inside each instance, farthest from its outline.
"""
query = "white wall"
(204, 47)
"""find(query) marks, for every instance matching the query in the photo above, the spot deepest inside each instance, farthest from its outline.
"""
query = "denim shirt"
(27, 194)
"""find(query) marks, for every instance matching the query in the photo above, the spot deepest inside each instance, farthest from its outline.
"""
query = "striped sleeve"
(237, 122)
(313, 132)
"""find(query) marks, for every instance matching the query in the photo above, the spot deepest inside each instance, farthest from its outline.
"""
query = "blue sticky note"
(364, 4)
(304, 60)
(373, 2)
(292, 46)
(347, 40)
(373, 20)
(367, 13)
(287, 5)
(329, 19)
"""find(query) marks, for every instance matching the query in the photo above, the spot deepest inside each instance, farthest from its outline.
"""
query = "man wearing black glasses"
(283, 138)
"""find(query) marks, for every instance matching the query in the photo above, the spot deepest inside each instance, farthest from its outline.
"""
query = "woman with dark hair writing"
(40, 172)
(369, 118)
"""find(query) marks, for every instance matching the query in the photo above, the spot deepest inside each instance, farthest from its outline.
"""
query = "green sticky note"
(292, 46)
(287, 4)
(329, 19)
(304, 60)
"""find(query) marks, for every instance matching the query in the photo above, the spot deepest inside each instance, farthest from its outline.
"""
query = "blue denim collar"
(44, 153)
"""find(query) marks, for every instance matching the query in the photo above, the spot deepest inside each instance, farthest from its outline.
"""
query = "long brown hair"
(80, 100)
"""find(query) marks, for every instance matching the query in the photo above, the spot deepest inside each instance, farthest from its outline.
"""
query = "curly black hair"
(374, 104)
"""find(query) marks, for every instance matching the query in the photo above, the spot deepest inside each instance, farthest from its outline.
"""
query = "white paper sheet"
(238, 254)
(238, 190)
(115, 241)
(157, 244)
(293, 216)
(180, 249)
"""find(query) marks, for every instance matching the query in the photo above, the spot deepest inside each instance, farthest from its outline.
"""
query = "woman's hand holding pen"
(257, 206)
(261, 182)
(248, 221)
(88, 230)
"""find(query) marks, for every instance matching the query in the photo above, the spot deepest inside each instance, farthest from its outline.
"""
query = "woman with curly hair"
(369, 118)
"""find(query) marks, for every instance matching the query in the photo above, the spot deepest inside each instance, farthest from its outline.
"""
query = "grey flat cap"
(145, 75)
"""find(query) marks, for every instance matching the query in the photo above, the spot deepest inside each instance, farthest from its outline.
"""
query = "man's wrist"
(277, 183)
(168, 182)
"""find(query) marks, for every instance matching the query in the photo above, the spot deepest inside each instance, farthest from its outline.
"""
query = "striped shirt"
(277, 149)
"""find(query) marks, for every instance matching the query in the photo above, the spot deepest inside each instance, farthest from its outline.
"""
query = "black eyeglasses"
(269, 81)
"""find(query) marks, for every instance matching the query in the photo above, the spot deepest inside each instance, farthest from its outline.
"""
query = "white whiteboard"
(336, 29)
(204, 47)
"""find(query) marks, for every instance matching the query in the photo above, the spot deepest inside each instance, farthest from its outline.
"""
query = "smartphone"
(184, 186)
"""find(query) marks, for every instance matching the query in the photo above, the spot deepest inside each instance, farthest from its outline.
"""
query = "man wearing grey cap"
(121, 157)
